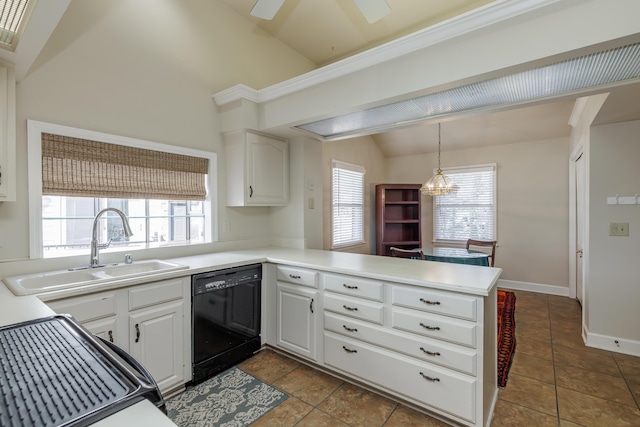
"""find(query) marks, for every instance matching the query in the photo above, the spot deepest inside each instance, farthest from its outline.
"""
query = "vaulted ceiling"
(329, 30)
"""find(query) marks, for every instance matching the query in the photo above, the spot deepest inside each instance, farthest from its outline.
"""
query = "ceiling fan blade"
(266, 9)
(373, 10)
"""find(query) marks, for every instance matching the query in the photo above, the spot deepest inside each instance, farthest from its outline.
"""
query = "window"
(469, 213)
(347, 204)
(165, 191)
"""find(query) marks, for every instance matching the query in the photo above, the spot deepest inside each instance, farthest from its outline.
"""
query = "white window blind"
(469, 213)
(347, 203)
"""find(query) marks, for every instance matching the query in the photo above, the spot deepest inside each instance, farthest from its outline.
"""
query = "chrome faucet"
(95, 246)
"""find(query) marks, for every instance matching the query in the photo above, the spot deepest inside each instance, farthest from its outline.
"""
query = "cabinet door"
(104, 328)
(296, 320)
(156, 341)
(267, 171)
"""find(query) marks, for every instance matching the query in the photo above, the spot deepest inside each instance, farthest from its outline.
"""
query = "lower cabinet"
(150, 321)
(296, 320)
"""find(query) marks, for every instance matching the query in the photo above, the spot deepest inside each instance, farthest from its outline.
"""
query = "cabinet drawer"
(430, 385)
(299, 276)
(354, 286)
(86, 308)
(354, 307)
(155, 293)
(430, 350)
(435, 301)
(431, 325)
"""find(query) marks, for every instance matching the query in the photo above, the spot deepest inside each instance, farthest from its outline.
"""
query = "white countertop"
(467, 279)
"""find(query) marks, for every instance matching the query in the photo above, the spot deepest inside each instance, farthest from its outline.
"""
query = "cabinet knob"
(431, 328)
(137, 332)
(428, 378)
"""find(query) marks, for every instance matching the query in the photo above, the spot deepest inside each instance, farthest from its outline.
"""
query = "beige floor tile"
(525, 331)
(592, 411)
(529, 296)
(568, 338)
(565, 423)
(357, 406)
(407, 417)
(268, 365)
(507, 414)
(629, 365)
(536, 317)
(318, 418)
(308, 384)
(530, 393)
(533, 367)
(565, 316)
(581, 358)
(596, 384)
(533, 347)
(635, 390)
(287, 414)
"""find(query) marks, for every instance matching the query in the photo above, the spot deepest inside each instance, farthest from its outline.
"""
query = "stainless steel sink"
(64, 279)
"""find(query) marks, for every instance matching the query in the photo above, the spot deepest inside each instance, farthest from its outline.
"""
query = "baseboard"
(533, 287)
(609, 343)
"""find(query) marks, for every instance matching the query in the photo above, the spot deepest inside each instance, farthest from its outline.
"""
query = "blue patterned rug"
(232, 398)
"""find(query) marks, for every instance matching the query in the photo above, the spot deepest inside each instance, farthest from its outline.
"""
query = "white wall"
(364, 152)
(144, 69)
(614, 270)
(533, 206)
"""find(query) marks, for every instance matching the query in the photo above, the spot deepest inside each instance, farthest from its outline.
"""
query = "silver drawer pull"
(348, 350)
(428, 378)
(426, 301)
(349, 329)
(349, 286)
(294, 276)
(430, 353)
(346, 307)
(431, 328)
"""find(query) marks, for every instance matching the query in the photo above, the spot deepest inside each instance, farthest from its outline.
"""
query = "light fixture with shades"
(439, 184)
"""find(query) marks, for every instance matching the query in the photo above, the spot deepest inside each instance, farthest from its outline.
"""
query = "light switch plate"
(618, 229)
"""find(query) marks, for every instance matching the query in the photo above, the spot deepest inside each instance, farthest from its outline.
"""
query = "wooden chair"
(406, 253)
(485, 243)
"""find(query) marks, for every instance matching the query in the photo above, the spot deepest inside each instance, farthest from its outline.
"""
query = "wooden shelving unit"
(398, 217)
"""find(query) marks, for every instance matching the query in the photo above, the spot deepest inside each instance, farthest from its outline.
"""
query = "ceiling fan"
(372, 10)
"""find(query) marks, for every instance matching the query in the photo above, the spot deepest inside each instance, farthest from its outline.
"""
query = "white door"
(296, 323)
(156, 341)
(580, 210)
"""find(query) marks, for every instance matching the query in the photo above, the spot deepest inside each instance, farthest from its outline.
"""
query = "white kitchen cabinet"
(7, 133)
(257, 168)
(156, 341)
(296, 320)
(150, 321)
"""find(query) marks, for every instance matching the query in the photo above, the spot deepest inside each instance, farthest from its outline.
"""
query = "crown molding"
(476, 19)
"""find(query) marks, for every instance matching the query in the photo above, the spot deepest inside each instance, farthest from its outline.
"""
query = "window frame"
(337, 164)
(35, 129)
(468, 169)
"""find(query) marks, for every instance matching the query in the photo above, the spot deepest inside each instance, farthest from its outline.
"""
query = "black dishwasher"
(225, 318)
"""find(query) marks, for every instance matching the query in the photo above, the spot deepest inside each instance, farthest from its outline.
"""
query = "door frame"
(581, 149)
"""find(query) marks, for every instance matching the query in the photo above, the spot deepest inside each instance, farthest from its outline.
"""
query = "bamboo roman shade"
(80, 167)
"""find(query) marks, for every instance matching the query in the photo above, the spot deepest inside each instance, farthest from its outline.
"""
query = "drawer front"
(431, 325)
(86, 308)
(155, 293)
(433, 386)
(299, 276)
(353, 286)
(433, 351)
(354, 307)
(439, 302)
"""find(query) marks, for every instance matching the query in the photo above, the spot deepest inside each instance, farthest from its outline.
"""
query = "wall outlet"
(618, 229)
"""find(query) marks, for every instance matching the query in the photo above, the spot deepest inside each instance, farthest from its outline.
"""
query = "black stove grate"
(49, 377)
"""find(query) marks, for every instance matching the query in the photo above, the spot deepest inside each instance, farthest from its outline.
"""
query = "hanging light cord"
(439, 170)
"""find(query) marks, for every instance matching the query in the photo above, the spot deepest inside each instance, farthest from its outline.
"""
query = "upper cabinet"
(7, 133)
(257, 169)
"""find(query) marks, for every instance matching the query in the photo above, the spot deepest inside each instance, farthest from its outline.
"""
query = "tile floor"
(554, 381)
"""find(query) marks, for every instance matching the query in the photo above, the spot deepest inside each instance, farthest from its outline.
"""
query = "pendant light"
(439, 184)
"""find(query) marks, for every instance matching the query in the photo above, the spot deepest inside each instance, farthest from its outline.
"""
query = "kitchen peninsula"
(421, 332)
